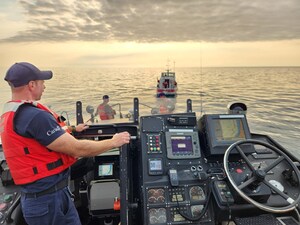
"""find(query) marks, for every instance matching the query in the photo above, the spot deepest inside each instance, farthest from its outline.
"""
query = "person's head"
(27, 79)
(105, 98)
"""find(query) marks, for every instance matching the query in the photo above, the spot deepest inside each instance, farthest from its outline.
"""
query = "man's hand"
(120, 139)
(81, 127)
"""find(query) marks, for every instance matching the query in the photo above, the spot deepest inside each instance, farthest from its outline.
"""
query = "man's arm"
(40, 125)
(69, 145)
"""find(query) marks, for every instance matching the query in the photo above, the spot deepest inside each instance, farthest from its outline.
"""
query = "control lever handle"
(202, 176)
(173, 176)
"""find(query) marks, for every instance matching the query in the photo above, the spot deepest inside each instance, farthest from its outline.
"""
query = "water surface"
(271, 94)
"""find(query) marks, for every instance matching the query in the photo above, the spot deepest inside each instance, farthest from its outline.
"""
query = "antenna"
(174, 65)
(201, 81)
(168, 64)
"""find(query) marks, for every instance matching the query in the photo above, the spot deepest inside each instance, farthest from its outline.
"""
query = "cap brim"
(46, 75)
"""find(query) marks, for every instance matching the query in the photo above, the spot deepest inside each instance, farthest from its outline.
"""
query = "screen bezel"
(155, 171)
(104, 160)
(218, 147)
(195, 153)
(111, 164)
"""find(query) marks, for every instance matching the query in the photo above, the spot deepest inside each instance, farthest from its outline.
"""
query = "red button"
(3, 206)
(239, 170)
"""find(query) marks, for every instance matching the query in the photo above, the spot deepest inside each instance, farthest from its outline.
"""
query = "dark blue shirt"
(40, 125)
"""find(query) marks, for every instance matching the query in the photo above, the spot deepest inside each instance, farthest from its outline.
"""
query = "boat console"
(210, 170)
(178, 169)
(175, 186)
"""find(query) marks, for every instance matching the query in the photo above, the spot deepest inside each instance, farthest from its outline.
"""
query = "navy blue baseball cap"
(105, 97)
(21, 73)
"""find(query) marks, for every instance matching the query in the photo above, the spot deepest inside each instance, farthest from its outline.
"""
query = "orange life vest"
(102, 113)
(27, 159)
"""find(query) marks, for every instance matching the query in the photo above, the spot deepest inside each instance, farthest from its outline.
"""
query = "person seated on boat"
(104, 110)
(39, 151)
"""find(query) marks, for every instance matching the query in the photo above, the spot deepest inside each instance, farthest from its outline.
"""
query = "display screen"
(222, 130)
(105, 170)
(155, 164)
(182, 145)
(229, 129)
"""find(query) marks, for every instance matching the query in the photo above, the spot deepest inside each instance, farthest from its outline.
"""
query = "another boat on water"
(167, 85)
(179, 169)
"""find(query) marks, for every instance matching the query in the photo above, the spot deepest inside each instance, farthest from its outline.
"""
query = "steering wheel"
(258, 176)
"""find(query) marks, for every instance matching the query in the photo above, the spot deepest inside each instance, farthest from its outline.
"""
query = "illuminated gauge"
(162, 218)
(152, 216)
(197, 193)
(157, 216)
(156, 196)
(196, 210)
(153, 220)
(160, 191)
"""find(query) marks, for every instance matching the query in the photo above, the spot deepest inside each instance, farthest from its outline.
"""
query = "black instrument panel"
(183, 169)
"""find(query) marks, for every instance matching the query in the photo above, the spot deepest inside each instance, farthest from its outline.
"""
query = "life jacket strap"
(53, 165)
(26, 150)
(35, 170)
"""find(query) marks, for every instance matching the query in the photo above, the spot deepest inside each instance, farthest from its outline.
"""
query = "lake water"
(272, 94)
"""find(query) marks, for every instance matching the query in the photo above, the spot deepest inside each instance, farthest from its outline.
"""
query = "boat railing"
(67, 117)
(154, 110)
(120, 109)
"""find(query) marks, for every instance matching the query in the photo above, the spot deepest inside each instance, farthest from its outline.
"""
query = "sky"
(148, 33)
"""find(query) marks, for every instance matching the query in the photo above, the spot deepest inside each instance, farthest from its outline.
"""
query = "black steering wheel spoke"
(275, 189)
(273, 164)
(247, 183)
(245, 158)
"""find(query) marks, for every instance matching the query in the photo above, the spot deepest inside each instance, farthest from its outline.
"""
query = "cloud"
(150, 21)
